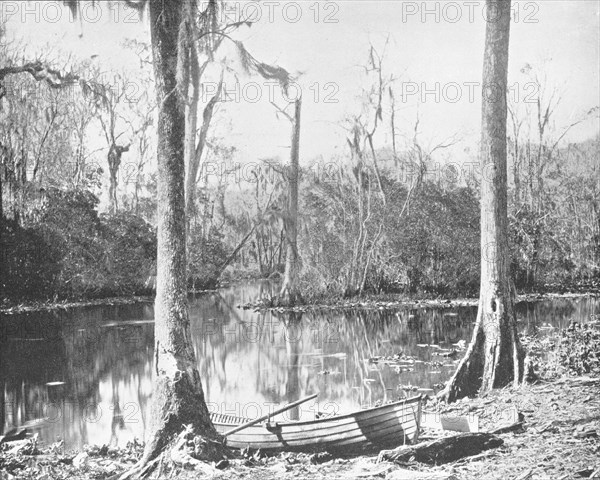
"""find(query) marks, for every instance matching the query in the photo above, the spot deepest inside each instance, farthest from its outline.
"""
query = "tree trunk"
(194, 151)
(495, 355)
(516, 165)
(3, 160)
(114, 162)
(2, 249)
(177, 397)
(191, 123)
(236, 250)
(288, 294)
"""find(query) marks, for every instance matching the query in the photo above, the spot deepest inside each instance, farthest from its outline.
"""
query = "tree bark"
(495, 356)
(288, 294)
(3, 159)
(177, 397)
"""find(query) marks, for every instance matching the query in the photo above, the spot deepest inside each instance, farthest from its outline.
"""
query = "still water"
(88, 371)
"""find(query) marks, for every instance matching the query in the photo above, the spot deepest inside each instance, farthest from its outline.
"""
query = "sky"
(434, 50)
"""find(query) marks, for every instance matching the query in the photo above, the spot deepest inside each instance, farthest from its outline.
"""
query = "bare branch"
(283, 112)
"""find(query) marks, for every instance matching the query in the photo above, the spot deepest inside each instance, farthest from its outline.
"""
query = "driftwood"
(444, 450)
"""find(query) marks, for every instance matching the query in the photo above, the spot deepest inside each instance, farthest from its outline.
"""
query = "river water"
(88, 371)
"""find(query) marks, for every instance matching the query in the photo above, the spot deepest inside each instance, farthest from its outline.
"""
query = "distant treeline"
(423, 240)
(377, 218)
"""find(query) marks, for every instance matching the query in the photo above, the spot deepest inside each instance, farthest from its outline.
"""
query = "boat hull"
(376, 428)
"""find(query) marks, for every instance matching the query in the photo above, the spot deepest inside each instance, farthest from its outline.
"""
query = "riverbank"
(556, 436)
(388, 302)
(67, 304)
(369, 302)
(559, 439)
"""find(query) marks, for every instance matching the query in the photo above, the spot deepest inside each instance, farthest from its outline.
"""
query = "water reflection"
(88, 370)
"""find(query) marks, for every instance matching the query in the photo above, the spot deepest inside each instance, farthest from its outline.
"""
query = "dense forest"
(78, 182)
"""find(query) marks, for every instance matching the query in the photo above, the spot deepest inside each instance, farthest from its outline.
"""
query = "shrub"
(69, 222)
(573, 351)
(65, 249)
(579, 349)
(29, 264)
(130, 253)
(206, 257)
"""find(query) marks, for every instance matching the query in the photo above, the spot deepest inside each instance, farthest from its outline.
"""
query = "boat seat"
(228, 419)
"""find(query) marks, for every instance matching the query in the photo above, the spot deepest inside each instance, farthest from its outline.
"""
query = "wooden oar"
(269, 415)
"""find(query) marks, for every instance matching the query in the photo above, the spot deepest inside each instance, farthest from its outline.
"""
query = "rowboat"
(371, 429)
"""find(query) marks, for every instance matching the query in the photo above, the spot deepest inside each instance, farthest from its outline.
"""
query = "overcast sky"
(433, 46)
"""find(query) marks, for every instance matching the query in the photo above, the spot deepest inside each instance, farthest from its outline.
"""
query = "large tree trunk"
(2, 249)
(177, 397)
(288, 294)
(495, 355)
(3, 160)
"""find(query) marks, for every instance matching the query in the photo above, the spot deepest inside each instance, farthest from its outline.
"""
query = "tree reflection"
(88, 371)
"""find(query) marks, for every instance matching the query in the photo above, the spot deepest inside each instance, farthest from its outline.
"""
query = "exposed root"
(187, 451)
(140, 471)
(494, 357)
(467, 377)
(181, 453)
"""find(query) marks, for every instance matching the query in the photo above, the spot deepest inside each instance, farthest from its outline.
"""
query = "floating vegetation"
(397, 359)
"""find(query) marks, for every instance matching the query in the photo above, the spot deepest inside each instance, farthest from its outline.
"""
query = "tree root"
(181, 453)
(139, 471)
(467, 377)
(187, 451)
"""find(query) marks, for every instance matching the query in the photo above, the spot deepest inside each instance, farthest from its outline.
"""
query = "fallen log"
(513, 427)
(444, 450)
